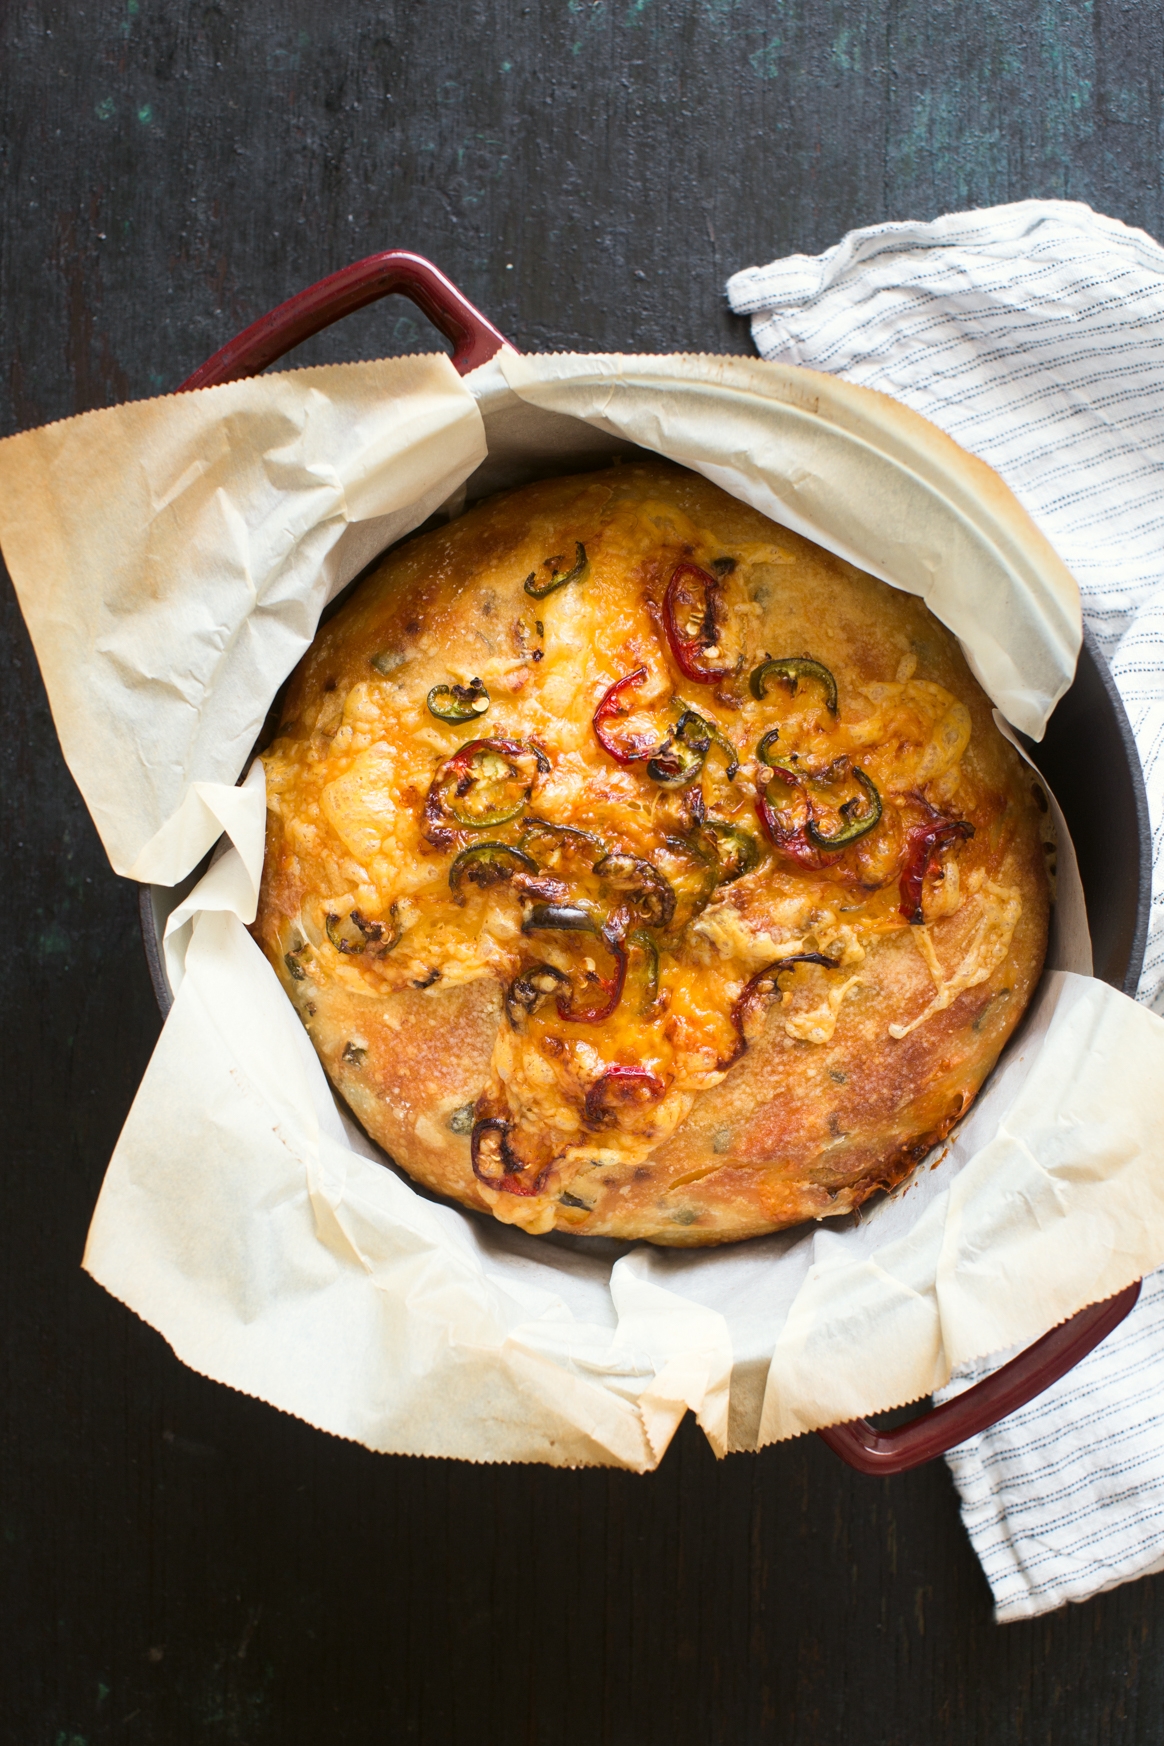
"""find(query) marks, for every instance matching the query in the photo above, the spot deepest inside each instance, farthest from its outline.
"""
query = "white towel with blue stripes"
(1034, 335)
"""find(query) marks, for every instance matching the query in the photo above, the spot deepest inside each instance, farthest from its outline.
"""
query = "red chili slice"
(512, 1181)
(611, 707)
(620, 1085)
(793, 842)
(924, 845)
(572, 919)
(612, 936)
(691, 620)
(762, 988)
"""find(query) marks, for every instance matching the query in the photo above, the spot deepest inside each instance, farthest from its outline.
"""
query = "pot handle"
(474, 339)
(976, 1409)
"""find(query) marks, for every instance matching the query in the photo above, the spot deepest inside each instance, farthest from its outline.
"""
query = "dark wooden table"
(184, 1567)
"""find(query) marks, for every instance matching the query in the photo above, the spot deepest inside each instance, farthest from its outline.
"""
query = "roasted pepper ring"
(486, 864)
(792, 669)
(857, 824)
(474, 767)
(558, 579)
(924, 845)
(512, 1180)
(620, 1085)
(763, 986)
(691, 619)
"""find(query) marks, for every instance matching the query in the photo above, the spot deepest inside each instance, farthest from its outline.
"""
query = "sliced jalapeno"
(693, 621)
(353, 933)
(693, 878)
(480, 786)
(857, 824)
(527, 991)
(643, 885)
(924, 846)
(784, 810)
(676, 765)
(496, 1164)
(488, 864)
(715, 736)
(386, 661)
(558, 578)
(792, 669)
(458, 703)
(614, 703)
(736, 850)
(550, 843)
(568, 918)
(571, 918)
(681, 757)
(764, 749)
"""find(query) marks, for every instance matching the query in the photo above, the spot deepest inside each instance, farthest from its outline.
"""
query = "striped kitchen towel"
(1034, 335)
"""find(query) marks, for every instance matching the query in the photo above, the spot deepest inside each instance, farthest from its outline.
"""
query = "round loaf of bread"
(640, 869)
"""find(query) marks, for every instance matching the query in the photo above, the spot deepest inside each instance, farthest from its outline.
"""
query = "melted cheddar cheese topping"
(366, 791)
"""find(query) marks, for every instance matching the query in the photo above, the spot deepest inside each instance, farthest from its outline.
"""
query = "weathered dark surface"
(183, 1567)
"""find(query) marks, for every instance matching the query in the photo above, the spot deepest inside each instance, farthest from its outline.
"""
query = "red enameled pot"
(1089, 748)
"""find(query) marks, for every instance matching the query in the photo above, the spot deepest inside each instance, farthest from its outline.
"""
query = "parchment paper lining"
(172, 560)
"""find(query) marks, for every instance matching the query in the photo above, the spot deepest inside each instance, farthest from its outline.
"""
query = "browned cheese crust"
(624, 988)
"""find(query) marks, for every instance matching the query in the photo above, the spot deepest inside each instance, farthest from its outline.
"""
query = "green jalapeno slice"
(558, 578)
(458, 703)
(681, 757)
(792, 669)
(553, 844)
(856, 823)
(642, 885)
(763, 988)
(353, 934)
(692, 873)
(489, 864)
(736, 850)
(481, 786)
(701, 726)
(764, 749)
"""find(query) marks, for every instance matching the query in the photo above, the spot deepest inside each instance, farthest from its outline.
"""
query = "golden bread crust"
(782, 1038)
